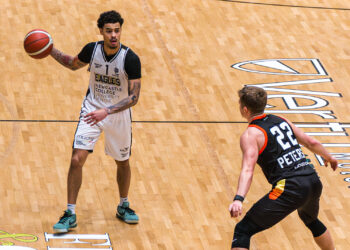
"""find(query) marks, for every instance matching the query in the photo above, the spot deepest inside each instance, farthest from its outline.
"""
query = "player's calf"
(244, 230)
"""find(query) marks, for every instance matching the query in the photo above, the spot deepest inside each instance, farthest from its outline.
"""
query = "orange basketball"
(38, 43)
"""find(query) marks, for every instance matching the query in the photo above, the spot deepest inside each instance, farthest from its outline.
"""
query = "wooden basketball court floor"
(185, 155)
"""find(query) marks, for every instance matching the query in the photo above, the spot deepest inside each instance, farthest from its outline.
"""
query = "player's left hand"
(96, 116)
(235, 208)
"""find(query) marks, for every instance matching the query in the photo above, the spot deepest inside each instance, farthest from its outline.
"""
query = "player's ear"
(101, 31)
(245, 110)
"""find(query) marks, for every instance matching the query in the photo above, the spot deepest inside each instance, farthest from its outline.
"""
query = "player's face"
(111, 35)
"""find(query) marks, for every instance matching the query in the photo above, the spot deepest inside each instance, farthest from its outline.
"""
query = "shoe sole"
(126, 221)
(64, 230)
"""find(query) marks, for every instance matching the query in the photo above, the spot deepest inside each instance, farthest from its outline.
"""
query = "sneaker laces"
(64, 217)
(129, 210)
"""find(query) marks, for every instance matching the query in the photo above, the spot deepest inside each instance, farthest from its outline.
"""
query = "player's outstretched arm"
(314, 145)
(250, 151)
(68, 61)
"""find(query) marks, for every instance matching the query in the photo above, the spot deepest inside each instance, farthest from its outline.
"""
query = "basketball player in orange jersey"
(273, 143)
(115, 72)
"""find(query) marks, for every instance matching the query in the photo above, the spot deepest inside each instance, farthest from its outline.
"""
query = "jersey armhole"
(92, 56)
(126, 52)
(265, 135)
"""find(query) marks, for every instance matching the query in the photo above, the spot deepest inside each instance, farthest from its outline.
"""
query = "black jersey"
(281, 156)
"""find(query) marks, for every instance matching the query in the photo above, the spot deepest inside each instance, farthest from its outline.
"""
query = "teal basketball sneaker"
(67, 221)
(126, 214)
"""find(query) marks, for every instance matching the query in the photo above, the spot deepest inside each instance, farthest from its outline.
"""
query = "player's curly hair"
(109, 17)
(253, 98)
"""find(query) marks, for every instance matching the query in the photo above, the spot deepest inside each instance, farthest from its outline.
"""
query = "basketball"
(38, 43)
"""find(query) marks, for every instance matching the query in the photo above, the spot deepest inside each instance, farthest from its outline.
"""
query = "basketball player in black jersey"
(273, 143)
(115, 82)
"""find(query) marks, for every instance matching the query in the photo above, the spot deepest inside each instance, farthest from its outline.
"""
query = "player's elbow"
(311, 143)
(134, 99)
(248, 171)
(73, 68)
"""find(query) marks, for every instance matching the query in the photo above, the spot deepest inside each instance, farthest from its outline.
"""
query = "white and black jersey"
(108, 85)
(109, 74)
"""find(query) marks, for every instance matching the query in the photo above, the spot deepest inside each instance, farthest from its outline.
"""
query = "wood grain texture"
(184, 175)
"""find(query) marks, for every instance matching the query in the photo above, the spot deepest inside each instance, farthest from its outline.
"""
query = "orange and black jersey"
(281, 156)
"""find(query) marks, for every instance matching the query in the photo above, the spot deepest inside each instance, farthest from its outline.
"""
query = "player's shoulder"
(253, 131)
(248, 138)
(91, 45)
(130, 53)
(86, 52)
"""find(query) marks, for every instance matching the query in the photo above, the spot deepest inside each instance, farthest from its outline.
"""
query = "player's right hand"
(235, 208)
(96, 116)
(333, 162)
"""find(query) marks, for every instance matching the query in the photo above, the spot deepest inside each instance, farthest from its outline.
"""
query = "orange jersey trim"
(265, 134)
(259, 117)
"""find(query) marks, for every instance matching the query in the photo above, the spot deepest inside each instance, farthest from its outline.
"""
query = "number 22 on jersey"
(282, 131)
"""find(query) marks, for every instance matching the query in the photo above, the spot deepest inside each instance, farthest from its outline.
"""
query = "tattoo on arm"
(131, 100)
(134, 90)
(62, 58)
(77, 64)
(68, 61)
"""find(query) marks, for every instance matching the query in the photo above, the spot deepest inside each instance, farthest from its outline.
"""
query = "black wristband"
(238, 198)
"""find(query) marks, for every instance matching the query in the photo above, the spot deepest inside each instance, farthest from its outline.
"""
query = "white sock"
(122, 200)
(71, 207)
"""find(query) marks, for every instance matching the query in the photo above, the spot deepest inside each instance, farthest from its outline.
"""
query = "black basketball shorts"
(300, 193)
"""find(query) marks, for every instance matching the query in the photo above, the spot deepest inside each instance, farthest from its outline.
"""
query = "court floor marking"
(170, 121)
(286, 5)
(223, 178)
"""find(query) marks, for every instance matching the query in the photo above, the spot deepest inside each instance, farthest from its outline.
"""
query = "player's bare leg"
(325, 241)
(75, 174)
(123, 179)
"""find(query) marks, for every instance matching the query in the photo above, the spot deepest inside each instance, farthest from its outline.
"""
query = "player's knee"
(317, 228)
(76, 162)
(122, 164)
(244, 230)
